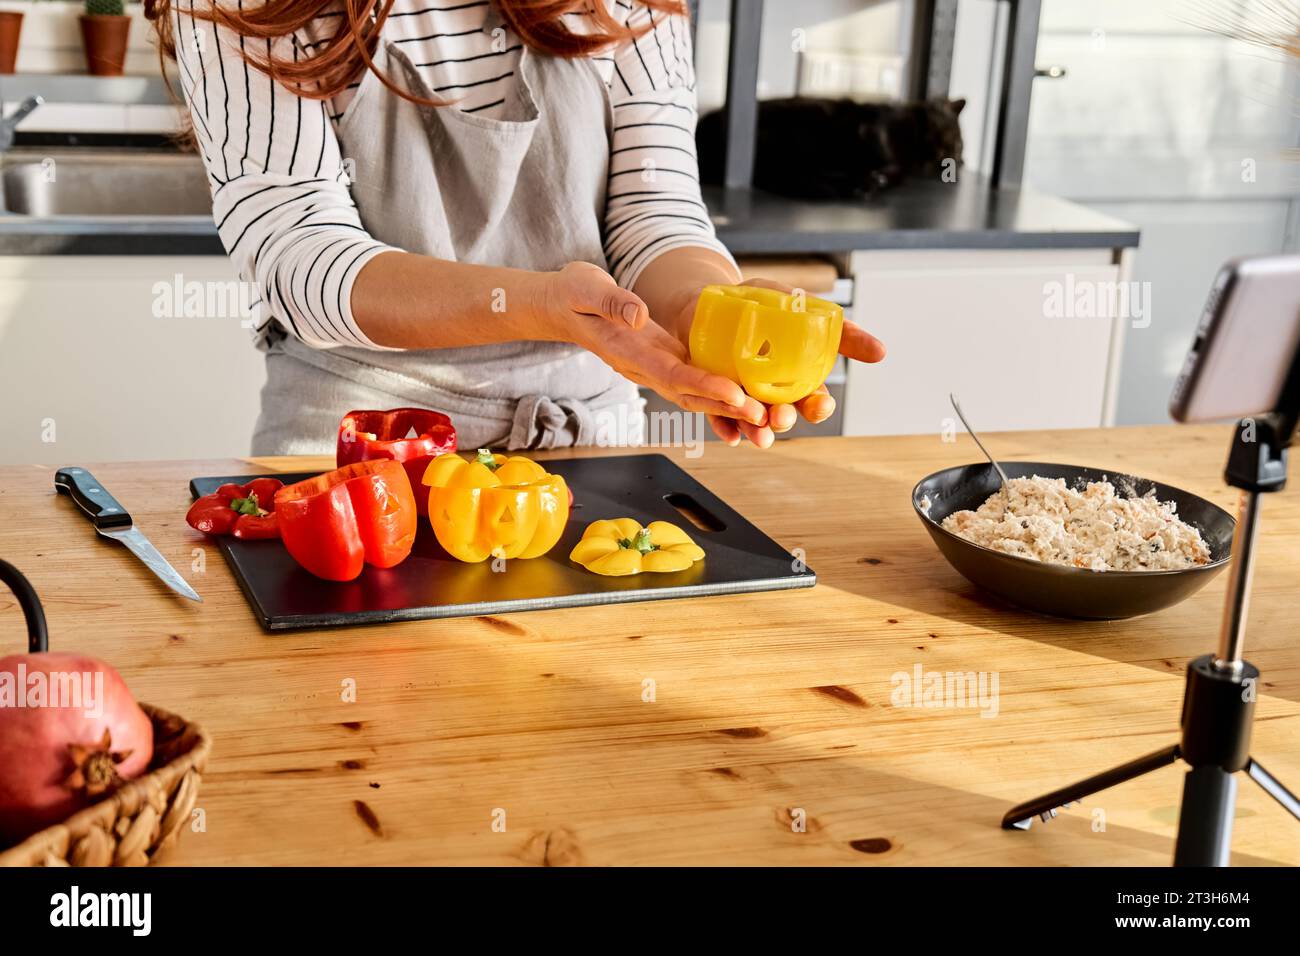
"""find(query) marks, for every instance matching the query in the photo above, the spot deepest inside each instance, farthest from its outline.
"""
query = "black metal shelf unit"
(930, 65)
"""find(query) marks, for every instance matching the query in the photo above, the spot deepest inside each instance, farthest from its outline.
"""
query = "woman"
(491, 209)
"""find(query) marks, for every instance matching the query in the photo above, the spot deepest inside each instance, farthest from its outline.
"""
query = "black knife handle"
(91, 497)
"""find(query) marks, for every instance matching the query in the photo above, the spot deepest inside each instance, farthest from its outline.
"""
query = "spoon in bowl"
(992, 461)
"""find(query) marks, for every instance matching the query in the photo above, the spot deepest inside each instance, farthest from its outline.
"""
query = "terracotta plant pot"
(104, 38)
(11, 26)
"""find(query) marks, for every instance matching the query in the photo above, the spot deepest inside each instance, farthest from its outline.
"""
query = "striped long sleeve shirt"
(280, 195)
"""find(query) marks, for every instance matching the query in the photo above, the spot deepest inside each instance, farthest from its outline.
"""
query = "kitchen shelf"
(934, 25)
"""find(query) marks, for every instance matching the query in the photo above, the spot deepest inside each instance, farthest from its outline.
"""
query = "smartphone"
(1245, 358)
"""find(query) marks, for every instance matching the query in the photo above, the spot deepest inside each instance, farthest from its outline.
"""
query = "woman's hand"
(583, 304)
(855, 343)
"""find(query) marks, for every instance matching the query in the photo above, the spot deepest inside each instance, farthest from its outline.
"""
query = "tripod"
(1219, 699)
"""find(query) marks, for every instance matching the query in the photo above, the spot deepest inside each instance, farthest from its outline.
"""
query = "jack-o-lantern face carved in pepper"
(779, 347)
(495, 507)
(368, 435)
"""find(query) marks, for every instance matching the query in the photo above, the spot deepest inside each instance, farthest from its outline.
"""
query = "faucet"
(10, 123)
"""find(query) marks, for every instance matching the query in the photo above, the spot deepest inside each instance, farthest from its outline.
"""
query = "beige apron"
(526, 191)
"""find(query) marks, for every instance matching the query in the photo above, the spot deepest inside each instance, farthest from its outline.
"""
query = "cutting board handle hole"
(694, 512)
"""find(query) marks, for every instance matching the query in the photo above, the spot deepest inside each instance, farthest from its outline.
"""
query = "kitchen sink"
(103, 182)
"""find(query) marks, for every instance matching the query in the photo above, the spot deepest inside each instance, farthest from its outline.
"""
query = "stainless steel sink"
(103, 182)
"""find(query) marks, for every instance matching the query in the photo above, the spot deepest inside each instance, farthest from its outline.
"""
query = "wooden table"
(770, 738)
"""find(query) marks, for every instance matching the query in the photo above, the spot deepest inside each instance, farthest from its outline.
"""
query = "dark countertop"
(918, 215)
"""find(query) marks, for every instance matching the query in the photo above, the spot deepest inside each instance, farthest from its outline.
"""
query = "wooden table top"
(527, 739)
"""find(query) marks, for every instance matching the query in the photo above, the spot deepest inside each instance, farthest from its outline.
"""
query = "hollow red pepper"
(368, 435)
(337, 523)
(245, 511)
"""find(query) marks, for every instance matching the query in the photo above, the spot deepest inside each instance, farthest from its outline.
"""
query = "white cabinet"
(89, 371)
(1012, 333)
(95, 367)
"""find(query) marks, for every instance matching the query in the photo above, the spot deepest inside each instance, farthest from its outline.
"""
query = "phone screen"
(1246, 342)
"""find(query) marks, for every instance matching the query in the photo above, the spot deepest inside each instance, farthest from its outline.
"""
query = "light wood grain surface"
(769, 709)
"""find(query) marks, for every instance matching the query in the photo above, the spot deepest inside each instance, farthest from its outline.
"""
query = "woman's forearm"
(671, 283)
(403, 300)
(408, 301)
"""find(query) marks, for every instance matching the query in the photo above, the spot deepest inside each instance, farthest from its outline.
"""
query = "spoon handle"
(992, 461)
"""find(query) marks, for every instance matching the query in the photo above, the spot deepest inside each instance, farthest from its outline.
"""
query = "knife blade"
(112, 521)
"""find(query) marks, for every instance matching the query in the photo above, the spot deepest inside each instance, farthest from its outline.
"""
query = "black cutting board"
(432, 584)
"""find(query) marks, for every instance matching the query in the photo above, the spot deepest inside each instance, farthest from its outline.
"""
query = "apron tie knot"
(542, 422)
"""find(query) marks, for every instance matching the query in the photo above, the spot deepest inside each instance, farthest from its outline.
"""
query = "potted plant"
(104, 30)
(11, 27)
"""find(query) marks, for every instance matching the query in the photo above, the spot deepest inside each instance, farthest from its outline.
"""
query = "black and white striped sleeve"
(654, 202)
(280, 194)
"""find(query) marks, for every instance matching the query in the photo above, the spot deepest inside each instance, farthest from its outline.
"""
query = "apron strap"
(542, 422)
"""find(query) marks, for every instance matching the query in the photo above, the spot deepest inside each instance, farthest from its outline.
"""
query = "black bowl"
(1056, 589)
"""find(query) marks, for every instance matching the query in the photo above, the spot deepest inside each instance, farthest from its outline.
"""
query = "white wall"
(1166, 124)
(864, 27)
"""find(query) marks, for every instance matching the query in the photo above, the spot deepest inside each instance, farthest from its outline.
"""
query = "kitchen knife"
(112, 521)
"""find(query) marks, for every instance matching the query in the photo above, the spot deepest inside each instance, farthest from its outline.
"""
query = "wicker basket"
(134, 823)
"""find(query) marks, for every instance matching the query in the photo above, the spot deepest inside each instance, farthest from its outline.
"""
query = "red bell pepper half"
(369, 435)
(246, 511)
(338, 522)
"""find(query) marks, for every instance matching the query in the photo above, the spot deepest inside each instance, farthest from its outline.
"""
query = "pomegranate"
(70, 731)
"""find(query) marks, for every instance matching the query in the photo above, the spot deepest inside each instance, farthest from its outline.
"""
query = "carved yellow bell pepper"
(495, 506)
(620, 546)
(778, 347)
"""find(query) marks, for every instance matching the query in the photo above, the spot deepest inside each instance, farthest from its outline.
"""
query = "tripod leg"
(1022, 816)
(1205, 819)
(1273, 787)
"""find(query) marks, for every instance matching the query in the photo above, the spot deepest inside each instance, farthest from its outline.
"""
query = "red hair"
(350, 49)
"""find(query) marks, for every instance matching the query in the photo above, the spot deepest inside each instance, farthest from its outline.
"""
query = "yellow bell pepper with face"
(620, 546)
(777, 346)
(495, 506)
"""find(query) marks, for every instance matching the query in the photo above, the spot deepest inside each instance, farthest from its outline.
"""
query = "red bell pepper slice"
(246, 511)
(338, 522)
(368, 435)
